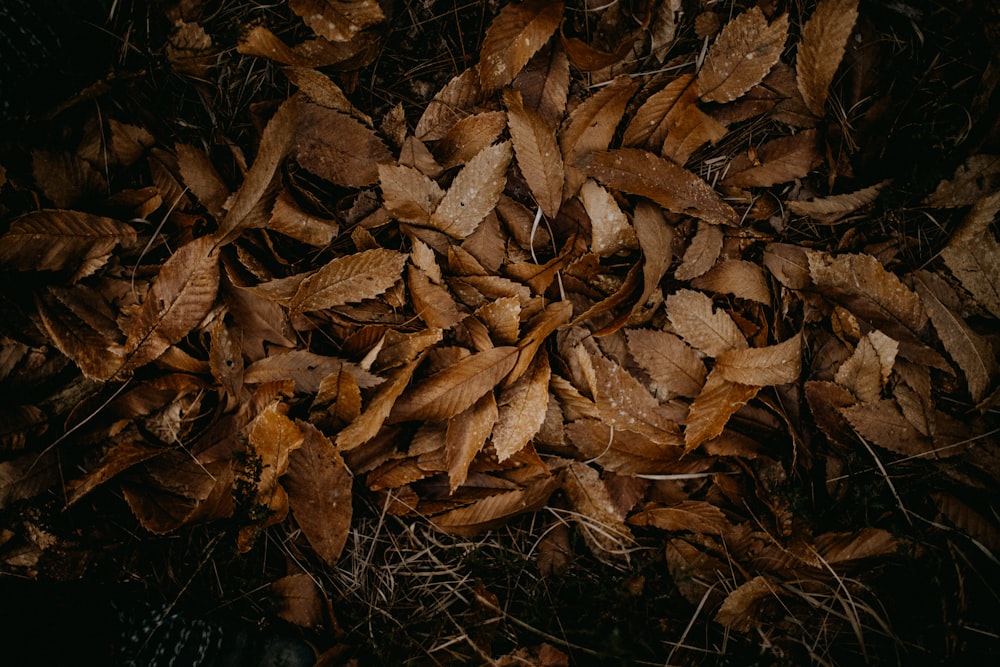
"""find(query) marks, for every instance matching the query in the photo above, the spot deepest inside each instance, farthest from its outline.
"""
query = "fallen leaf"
(673, 365)
(367, 424)
(763, 366)
(409, 195)
(718, 400)
(707, 330)
(741, 56)
(338, 148)
(656, 239)
(544, 84)
(973, 254)
(740, 610)
(451, 104)
(600, 524)
(740, 278)
(469, 136)
(289, 219)
(866, 371)
(201, 177)
(833, 208)
(494, 510)
(298, 600)
(824, 39)
(514, 36)
(882, 423)
(467, 432)
(696, 516)
(660, 112)
(522, 409)
(625, 404)
(473, 193)
(701, 253)
(780, 160)
(692, 129)
(338, 20)
(537, 153)
(974, 179)
(349, 279)
(610, 229)
(81, 324)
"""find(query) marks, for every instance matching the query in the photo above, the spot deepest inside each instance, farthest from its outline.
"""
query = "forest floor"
(508, 333)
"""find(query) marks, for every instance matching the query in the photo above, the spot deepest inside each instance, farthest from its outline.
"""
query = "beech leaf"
(710, 412)
(763, 366)
(741, 56)
(695, 320)
(777, 161)
(514, 36)
(522, 409)
(473, 193)
(537, 153)
(337, 147)
(673, 365)
(824, 38)
(338, 20)
(349, 279)
(465, 437)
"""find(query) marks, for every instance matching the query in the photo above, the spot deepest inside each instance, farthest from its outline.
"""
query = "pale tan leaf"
(673, 365)
(656, 239)
(452, 390)
(469, 136)
(82, 325)
(639, 172)
(660, 112)
(368, 423)
(408, 194)
(696, 516)
(763, 366)
(701, 253)
(694, 319)
(973, 254)
(824, 39)
(600, 523)
(977, 177)
(349, 279)
(625, 404)
(338, 148)
(591, 127)
(740, 610)
(831, 209)
(610, 229)
(883, 423)
(181, 295)
(537, 153)
(288, 219)
(298, 600)
(523, 406)
(319, 493)
(432, 303)
(692, 129)
(201, 177)
(742, 279)
(467, 432)
(544, 84)
(777, 161)
(514, 36)
(710, 412)
(473, 192)
(741, 56)
(338, 20)
(450, 105)
(50, 240)
(664, 27)
(970, 351)
(496, 509)
(867, 370)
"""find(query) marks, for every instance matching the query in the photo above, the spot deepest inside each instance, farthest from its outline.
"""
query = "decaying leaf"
(298, 600)
(515, 35)
(610, 229)
(884, 424)
(473, 193)
(973, 180)
(537, 153)
(831, 209)
(466, 435)
(710, 412)
(696, 516)
(674, 366)
(737, 277)
(973, 254)
(824, 39)
(867, 370)
(600, 523)
(349, 279)
(337, 147)
(451, 104)
(695, 320)
(777, 161)
(338, 20)
(701, 253)
(763, 366)
(408, 194)
(522, 409)
(625, 404)
(741, 56)
(739, 611)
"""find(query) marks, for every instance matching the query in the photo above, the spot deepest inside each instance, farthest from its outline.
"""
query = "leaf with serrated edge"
(514, 36)
(452, 390)
(673, 365)
(544, 84)
(867, 369)
(610, 229)
(973, 254)
(465, 437)
(625, 404)
(831, 209)
(523, 406)
(473, 193)
(701, 253)
(970, 351)
(742, 279)
(696, 516)
(201, 177)
(349, 279)
(694, 319)
(656, 239)
(432, 303)
(338, 21)
(710, 412)
(741, 56)
(182, 293)
(537, 152)
(824, 39)
(763, 366)
(600, 523)
(674, 188)
(319, 493)
(468, 137)
(661, 111)
(492, 511)
(778, 161)
(82, 326)
(367, 424)
(884, 424)
(692, 130)
(338, 148)
(407, 194)
(450, 105)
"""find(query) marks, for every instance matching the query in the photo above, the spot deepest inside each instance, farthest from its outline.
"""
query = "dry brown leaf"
(298, 600)
(118, 458)
(710, 412)
(82, 325)
(473, 193)
(450, 105)
(789, 264)
(742, 279)
(408, 194)
(452, 390)
(695, 320)
(537, 153)
(763, 366)
(337, 147)
(883, 423)
(338, 20)
(467, 432)
(692, 129)
(305, 369)
(701, 253)
(65, 178)
(591, 127)
(777, 161)
(641, 173)
(202, 179)
(319, 88)
(469, 136)
(182, 293)
(553, 316)
(864, 543)
(319, 493)
(27, 476)
(824, 38)
(259, 41)
(866, 371)
(514, 36)
(496, 509)
(970, 521)
(656, 239)
(432, 303)
(610, 229)
(741, 56)
(50, 240)
(523, 406)
(368, 423)
(740, 610)
(673, 365)
(225, 357)
(833, 208)
(349, 279)
(973, 254)
(625, 404)
(503, 319)
(652, 121)
(970, 351)
(288, 219)
(600, 523)
(696, 516)
(977, 177)
(544, 84)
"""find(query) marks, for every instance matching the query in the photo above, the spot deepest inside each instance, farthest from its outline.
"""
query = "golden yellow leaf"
(338, 20)
(537, 153)
(473, 193)
(824, 39)
(777, 161)
(514, 36)
(710, 412)
(707, 330)
(763, 366)
(349, 279)
(741, 56)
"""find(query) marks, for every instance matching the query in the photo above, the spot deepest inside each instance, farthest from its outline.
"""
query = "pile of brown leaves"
(578, 280)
